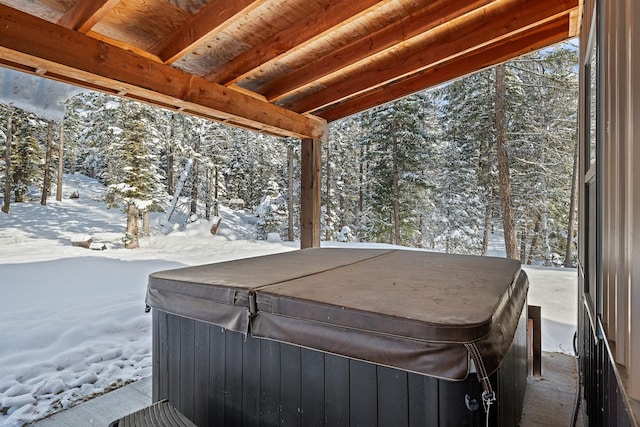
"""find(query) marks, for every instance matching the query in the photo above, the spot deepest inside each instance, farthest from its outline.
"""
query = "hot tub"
(342, 337)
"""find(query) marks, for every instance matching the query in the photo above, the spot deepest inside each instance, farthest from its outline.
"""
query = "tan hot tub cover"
(413, 310)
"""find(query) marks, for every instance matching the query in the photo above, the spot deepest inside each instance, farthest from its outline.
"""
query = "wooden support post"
(633, 200)
(534, 338)
(310, 193)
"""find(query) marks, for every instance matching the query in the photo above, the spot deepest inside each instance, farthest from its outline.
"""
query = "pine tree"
(346, 164)
(26, 153)
(137, 184)
(544, 134)
(271, 212)
(7, 137)
(94, 123)
(397, 146)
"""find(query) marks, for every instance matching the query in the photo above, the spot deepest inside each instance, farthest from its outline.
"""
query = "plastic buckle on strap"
(488, 398)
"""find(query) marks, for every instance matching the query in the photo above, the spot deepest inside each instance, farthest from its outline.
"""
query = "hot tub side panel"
(220, 377)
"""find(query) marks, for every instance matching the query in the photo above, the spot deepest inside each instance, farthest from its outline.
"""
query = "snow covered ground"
(72, 320)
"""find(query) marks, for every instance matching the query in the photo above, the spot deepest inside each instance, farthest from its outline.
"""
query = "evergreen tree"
(397, 146)
(6, 137)
(29, 135)
(544, 134)
(95, 124)
(468, 185)
(345, 164)
(137, 183)
(271, 212)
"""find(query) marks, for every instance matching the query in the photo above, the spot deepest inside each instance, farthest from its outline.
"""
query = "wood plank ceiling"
(285, 67)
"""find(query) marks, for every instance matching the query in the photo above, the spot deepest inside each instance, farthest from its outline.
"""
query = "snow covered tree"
(213, 140)
(137, 184)
(508, 223)
(271, 212)
(543, 131)
(93, 124)
(346, 166)
(26, 152)
(293, 188)
(251, 161)
(7, 137)
(397, 147)
(46, 181)
(467, 187)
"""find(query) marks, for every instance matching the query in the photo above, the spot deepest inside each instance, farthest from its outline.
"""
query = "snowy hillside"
(73, 321)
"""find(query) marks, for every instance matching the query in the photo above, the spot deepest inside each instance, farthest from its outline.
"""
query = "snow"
(73, 321)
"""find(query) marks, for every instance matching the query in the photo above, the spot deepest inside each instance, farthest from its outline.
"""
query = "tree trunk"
(145, 223)
(194, 189)
(207, 200)
(131, 236)
(510, 240)
(47, 166)
(210, 199)
(290, 233)
(361, 183)
(176, 195)
(60, 164)
(523, 245)
(396, 191)
(328, 194)
(488, 212)
(360, 193)
(534, 241)
(7, 163)
(71, 150)
(572, 211)
(216, 191)
(169, 149)
(544, 214)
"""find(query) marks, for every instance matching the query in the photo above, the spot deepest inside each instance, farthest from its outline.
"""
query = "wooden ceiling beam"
(435, 13)
(339, 12)
(497, 21)
(200, 26)
(86, 13)
(545, 35)
(70, 56)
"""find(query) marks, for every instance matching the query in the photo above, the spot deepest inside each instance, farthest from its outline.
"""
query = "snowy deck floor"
(548, 400)
(99, 412)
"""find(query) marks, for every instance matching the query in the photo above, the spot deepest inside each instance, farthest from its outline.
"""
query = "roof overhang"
(283, 67)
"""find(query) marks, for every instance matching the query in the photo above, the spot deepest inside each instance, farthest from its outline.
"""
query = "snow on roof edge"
(43, 97)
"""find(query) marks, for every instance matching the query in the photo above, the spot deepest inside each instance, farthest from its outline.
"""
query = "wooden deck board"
(549, 399)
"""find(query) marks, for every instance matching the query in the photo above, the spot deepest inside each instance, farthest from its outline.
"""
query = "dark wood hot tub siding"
(217, 377)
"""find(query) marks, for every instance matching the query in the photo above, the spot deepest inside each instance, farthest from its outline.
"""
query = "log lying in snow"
(82, 241)
(97, 246)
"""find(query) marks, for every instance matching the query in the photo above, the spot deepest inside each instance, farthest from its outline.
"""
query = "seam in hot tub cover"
(406, 309)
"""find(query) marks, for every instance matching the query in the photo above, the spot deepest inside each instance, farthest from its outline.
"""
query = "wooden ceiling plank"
(435, 13)
(76, 57)
(86, 13)
(200, 26)
(548, 34)
(339, 12)
(123, 45)
(482, 27)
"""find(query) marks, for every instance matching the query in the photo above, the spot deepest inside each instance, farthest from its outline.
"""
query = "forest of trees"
(441, 169)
